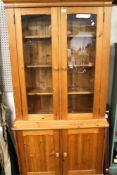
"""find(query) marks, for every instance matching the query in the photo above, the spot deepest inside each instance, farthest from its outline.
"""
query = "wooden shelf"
(38, 66)
(60, 124)
(39, 92)
(36, 37)
(84, 65)
(84, 34)
(80, 93)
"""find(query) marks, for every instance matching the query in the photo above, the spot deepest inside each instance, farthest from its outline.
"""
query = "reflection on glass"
(38, 63)
(81, 53)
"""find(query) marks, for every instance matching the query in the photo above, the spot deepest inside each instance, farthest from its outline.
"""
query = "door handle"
(57, 155)
(65, 154)
(55, 68)
(64, 68)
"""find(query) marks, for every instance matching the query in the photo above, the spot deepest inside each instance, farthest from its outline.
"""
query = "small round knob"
(64, 68)
(55, 68)
(57, 155)
(65, 154)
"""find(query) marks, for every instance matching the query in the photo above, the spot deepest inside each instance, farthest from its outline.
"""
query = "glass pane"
(38, 63)
(81, 54)
(80, 103)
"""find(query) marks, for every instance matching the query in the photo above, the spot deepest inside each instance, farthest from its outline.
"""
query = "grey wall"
(112, 50)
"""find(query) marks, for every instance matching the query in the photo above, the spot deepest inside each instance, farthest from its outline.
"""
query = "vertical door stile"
(64, 62)
(57, 151)
(21, 61)
(55, 62)
(59, 60)
(65, 151)
(14, 62)
(99, 47)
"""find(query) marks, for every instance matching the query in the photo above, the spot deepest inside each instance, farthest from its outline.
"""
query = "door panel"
(41, 149)
(38, 62)
(81, 52)
(81, 150)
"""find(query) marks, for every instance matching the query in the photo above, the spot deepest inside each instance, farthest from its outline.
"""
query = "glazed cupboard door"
(37, 39)
(83, 151)
(39, 152)
(81, 53)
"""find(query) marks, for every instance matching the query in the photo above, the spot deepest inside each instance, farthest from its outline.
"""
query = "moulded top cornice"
(56, 1)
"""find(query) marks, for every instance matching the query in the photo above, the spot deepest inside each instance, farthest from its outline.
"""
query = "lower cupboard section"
(61, 152)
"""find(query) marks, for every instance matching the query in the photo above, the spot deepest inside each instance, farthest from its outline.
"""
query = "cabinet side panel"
(21, 61)
(14, 63)
(20, 149)
(105, 60)
(100, 152)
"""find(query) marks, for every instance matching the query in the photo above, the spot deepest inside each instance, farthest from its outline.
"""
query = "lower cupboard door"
(41, 152)
(83, 151)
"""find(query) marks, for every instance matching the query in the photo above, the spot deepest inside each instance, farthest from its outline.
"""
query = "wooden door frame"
(63, 56)
(54, 22)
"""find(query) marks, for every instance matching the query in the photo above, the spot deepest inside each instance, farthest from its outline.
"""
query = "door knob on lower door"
(64, 68)
(65, 154)
(57, 155)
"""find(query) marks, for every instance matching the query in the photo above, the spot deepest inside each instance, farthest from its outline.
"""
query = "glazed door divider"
(37, 43)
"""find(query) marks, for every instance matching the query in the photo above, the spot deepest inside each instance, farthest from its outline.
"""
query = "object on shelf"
(115, 155)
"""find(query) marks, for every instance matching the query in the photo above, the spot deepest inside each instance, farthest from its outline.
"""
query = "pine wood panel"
(80, 150)
(39, 152)
(105, 61)
(34, 11)
(59, 4)
(14, 62)
(99, 51)
(101, 150)
(21, 156)
(21, 62)
(60, 124)
(87, 1)
(42, 173)
(85, 172)
(23, 3)
(55, 62)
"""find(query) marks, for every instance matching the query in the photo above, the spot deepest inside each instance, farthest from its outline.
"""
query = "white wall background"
(5, 67)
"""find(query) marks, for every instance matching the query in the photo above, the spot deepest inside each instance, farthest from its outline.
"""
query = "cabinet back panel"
(80, 103)
(42, 104)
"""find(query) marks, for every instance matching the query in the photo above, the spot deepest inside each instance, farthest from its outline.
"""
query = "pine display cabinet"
(60, 57)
